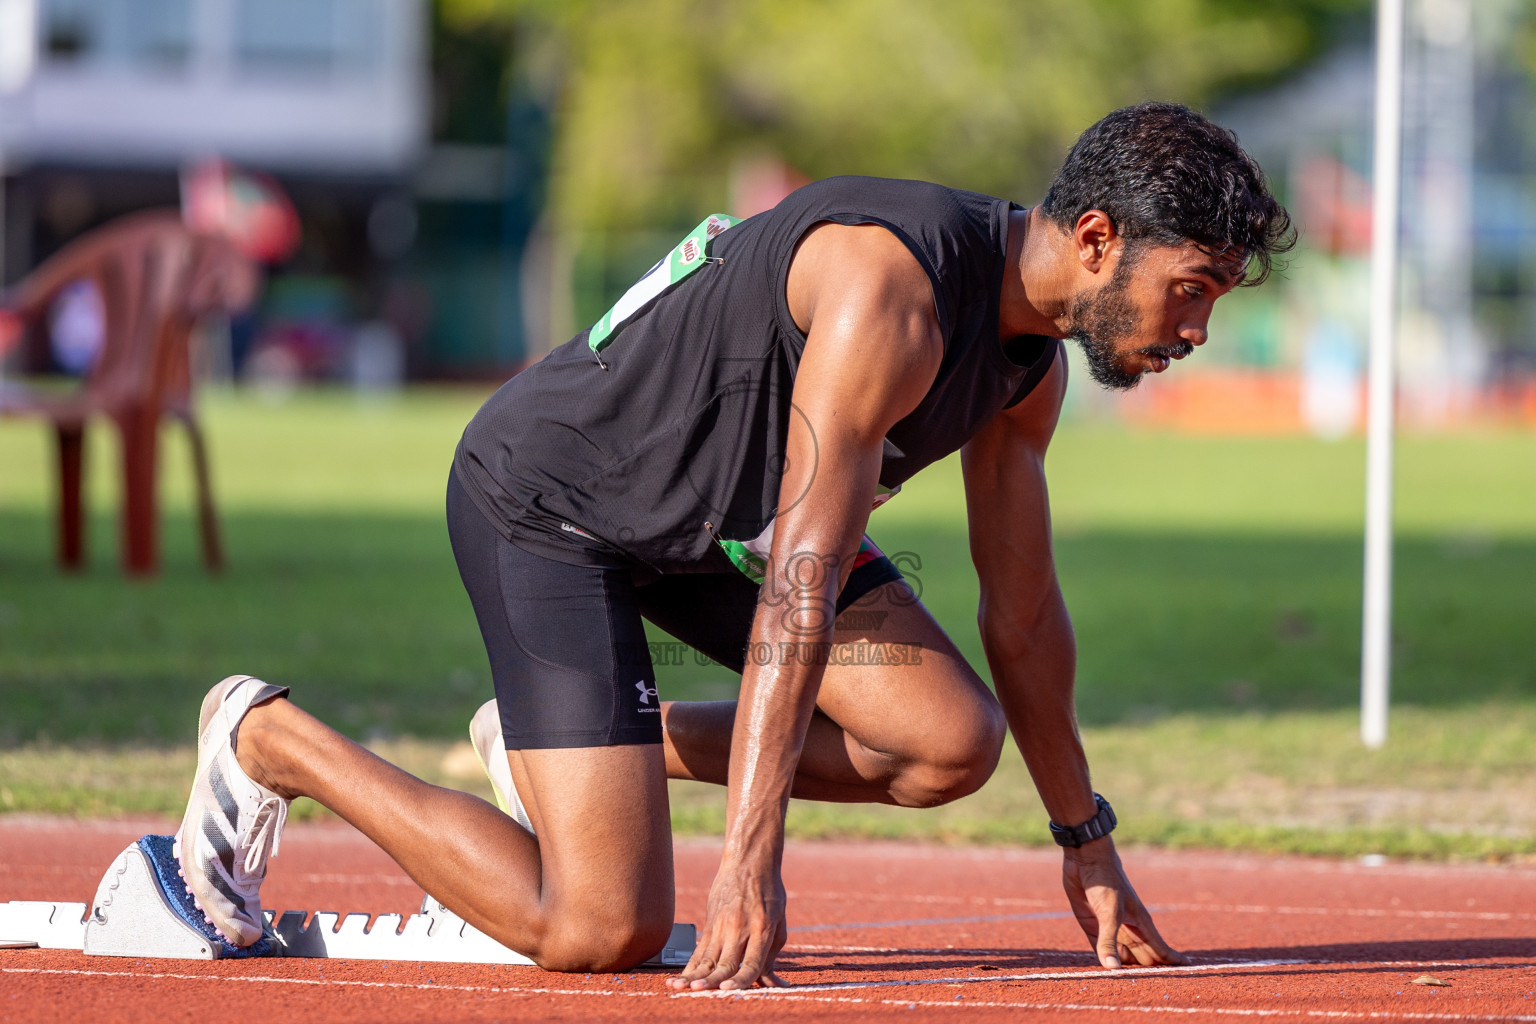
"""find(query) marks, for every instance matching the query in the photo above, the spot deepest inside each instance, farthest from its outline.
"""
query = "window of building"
(155, 33)
(314, 36)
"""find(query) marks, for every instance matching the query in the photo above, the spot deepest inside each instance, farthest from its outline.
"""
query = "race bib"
(691, 254)
(751, 556)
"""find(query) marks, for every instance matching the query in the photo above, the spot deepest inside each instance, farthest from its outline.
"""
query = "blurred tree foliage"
(655, 100)
(469, 77)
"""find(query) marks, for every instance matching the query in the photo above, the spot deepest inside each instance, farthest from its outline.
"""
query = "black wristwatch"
(1096, 827)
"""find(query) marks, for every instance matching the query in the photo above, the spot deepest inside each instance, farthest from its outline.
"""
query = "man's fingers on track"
(718, 977)
(1107, 942)
(1162, 953)
(1134, 949)
(752, 965)
(748, 959)
(749, 975)
(727, 966)
(1147, 935)
(700, 964)
(723, 970)
(1136, 954)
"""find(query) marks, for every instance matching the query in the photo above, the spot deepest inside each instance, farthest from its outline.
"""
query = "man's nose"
(1194, 333)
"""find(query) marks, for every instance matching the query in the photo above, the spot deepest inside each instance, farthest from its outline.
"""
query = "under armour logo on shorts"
(646, 692)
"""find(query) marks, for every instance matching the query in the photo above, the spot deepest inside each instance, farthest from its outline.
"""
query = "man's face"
(1154, 308)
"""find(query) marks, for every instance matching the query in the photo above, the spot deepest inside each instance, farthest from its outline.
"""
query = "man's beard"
(1101, 320)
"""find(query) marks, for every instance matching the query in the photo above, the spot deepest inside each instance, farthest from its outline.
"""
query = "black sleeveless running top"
(684, 420)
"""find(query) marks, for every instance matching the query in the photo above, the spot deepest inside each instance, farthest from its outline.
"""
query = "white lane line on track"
(853, 926)
(962, 951)
(1215, 1011)
(1251, 908)
(894, 897)
(1061, 954)
(327, 982)
(1122, 972)
(843, 986)
(811, 993)
(975, 901)
(1164, 908)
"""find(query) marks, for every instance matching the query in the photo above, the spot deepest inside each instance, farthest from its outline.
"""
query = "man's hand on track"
(743, 932)
(1110, 912)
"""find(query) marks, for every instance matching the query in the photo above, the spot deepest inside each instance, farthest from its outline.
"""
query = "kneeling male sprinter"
(706, 457)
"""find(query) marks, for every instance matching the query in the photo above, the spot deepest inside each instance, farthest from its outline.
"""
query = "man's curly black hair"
(1166, 175)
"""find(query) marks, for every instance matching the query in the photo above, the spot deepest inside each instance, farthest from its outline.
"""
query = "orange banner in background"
(1252, 401)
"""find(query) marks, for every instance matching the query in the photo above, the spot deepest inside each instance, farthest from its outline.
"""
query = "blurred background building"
(476, 179)
(106, 106)
(1468, 337)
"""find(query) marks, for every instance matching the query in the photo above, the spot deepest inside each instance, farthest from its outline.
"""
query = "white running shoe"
(232, 825)
(485, 736)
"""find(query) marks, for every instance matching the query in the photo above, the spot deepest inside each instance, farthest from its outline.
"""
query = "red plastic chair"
(156, 279)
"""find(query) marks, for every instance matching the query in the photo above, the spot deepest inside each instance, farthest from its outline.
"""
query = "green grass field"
(1214, 584)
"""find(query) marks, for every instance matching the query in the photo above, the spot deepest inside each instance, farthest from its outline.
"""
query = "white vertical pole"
(1376, 640)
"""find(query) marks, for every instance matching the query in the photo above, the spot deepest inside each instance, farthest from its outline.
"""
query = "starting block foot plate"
(142, 908)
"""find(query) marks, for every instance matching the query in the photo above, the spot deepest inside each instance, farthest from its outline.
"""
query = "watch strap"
(1097, 827)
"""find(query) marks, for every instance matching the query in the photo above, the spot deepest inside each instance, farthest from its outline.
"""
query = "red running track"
(877, 931)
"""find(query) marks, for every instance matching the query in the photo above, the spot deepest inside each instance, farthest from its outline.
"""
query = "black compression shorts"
(569, 657)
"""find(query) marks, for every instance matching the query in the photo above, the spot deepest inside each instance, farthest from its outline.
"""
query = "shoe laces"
(264, 831)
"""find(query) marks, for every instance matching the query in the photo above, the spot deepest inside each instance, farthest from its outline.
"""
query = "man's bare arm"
(872, 350)
(1032, 652)
(1025, 628)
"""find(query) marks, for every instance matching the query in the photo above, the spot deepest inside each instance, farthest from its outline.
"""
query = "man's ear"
(1095, 238)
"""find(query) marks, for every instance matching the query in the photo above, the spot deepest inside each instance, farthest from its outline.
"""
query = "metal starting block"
(133, 914)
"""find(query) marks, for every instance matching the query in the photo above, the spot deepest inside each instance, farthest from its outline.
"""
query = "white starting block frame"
(130, 917)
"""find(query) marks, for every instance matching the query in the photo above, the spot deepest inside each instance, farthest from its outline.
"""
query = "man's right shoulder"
(833, 262)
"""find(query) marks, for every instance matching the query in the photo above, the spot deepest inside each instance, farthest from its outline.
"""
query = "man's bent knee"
(603, 942)
(958, 763)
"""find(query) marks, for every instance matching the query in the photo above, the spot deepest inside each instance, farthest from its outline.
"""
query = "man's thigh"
(713, 612)
(896, 682)
(605, 838)
(582, 725)
(565, 642)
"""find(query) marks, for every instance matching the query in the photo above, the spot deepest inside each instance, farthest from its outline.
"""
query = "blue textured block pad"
(158, 850)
